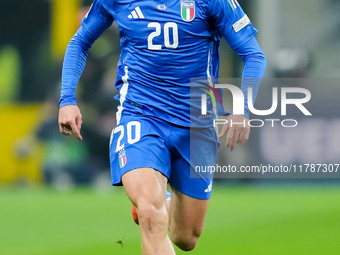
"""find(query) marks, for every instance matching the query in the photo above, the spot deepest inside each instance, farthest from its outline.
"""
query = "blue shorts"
(143, 141)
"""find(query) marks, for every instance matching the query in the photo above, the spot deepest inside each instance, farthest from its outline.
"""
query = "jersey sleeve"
(230, 21)
(98, 18)
(254, 68)
(96, 21)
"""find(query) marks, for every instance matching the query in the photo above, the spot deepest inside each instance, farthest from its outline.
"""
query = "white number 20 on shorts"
(131, 139)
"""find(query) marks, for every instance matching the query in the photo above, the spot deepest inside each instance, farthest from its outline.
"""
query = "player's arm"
(93, 25)
(232, 23)
(254, 68)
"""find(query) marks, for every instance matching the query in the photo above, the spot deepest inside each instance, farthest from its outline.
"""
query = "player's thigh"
(186, 214)
(145, 186)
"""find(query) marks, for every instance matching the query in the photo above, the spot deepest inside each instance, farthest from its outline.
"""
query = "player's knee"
(152, 218)
(186, 242)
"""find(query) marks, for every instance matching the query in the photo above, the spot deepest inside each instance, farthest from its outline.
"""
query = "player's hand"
(70, 120)
(238, 131)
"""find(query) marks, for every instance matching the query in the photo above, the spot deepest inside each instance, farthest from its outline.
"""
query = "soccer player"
(163, 45)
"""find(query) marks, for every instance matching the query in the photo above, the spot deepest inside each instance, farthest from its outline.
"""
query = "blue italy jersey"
(163, 45)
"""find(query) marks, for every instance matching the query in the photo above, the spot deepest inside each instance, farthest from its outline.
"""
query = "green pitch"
(240, 221)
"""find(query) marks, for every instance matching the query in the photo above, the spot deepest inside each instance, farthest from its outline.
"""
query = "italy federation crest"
(122, 158)
(188, 10)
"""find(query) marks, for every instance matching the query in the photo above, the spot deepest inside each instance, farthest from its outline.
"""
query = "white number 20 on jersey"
(167, 27)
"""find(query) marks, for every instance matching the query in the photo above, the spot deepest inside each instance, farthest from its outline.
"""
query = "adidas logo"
(209, 187)
(136, 14)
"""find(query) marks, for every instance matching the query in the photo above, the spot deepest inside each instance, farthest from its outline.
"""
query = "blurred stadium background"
(55, 193)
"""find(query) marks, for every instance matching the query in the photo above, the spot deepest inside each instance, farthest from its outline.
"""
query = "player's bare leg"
(146, 189)
(186, 219)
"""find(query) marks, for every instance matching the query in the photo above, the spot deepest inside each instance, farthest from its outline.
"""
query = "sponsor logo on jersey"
(122, 158)
(241, 23)
(161, 7)
(136, 14)
(234, 4)
(188, 10)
